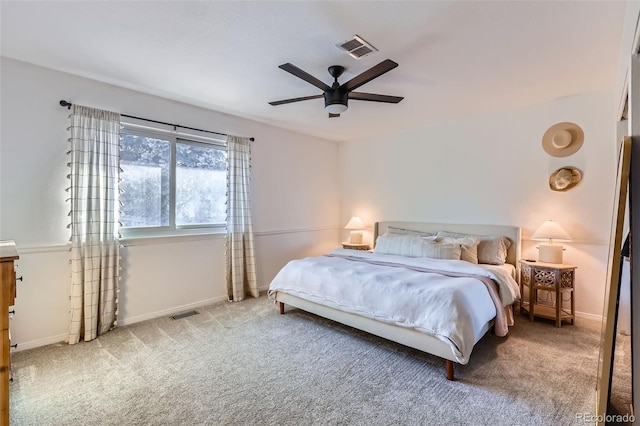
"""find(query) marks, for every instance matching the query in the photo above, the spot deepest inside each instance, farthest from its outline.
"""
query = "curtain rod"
(69, 104)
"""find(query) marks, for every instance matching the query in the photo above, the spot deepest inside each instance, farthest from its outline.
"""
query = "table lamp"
(552, 232)
(355, 224)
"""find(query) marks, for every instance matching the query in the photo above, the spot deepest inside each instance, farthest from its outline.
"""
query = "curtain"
(95, 257)
(240, 260)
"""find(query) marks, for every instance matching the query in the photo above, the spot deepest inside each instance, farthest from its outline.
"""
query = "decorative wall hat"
(563, 139)
(564, 179)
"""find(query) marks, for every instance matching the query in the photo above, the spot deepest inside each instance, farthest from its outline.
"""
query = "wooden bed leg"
(281, 308)
(449, 370)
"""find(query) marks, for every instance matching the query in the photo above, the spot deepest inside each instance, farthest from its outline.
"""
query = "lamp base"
(549, 253)
(355, 237)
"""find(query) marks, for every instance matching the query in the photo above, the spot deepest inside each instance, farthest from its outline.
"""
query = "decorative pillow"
(403, 231)
(492, 249)
(469, 247)
(441, 250)
(402, 245)
(416, 246)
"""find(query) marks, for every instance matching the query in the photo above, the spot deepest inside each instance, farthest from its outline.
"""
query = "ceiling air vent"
(357, 47)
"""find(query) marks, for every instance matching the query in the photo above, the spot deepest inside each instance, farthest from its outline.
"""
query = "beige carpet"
(244, 364)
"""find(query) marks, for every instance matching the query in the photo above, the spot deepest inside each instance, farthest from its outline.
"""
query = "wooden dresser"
(8, 256)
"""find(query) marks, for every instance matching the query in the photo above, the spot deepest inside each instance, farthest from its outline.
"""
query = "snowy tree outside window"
(169, 184)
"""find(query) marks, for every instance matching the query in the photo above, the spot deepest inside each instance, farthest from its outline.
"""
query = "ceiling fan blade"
(333, 115)
(288, 101)
(290, 68)
(359, 96)
(370, 74)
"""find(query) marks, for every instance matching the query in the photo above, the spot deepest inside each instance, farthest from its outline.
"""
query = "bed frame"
(405, 336)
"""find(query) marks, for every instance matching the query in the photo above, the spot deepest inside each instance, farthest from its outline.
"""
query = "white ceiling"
(456, 58)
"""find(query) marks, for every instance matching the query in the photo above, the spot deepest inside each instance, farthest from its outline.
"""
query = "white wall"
(489, 169)
(295, 203)
(493, 170)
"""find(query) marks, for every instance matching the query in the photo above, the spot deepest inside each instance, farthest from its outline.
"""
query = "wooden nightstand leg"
(558, 304)
(573, 307)
(533, 295)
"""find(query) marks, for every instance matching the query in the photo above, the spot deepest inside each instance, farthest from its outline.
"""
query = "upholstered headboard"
(511, 232)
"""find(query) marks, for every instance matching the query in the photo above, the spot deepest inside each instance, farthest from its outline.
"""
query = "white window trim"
(172, 230)
(196, 137)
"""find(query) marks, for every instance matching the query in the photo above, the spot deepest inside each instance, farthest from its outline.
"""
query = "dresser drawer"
(12, 290)
(4, 377)
(8, 255)
(8, 291)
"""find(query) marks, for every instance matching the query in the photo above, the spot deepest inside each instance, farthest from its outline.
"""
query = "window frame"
(173, 137)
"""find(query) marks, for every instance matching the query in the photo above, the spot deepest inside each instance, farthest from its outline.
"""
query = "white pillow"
(402, 245)
(416, 246)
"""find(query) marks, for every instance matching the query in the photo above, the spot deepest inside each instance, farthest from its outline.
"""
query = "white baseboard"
(585, 315)
(60, 338)
(172, 310)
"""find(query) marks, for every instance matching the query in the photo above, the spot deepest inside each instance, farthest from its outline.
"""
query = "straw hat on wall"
(563, 139)
(564, 179)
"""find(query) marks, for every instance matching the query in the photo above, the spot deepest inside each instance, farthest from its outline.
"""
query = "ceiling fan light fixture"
(335, 108)
(336, 101)
(336, 97)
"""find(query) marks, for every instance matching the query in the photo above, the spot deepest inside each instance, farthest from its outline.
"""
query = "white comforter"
(455, 310)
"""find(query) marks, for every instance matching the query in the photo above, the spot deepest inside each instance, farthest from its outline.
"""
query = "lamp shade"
(355, 223)
(552, 231)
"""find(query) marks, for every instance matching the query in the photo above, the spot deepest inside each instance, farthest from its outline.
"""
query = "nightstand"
(556, 278)
(355, 246)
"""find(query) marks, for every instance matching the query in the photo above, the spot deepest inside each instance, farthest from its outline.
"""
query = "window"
(171, 185)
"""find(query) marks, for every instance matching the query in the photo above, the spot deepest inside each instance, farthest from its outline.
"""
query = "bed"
(411, 288)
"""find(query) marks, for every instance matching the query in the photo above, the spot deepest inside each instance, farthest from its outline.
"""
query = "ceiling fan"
(337, 95)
